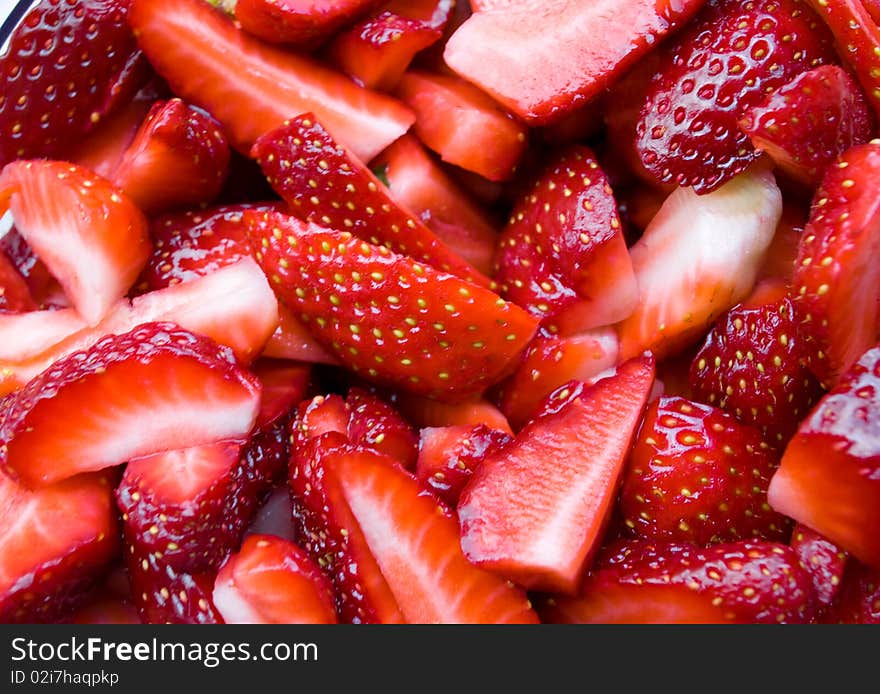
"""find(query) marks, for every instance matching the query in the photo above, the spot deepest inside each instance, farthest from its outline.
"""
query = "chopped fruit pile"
(438, 311)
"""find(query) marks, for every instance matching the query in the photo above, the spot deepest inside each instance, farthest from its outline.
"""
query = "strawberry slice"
(272, 581)
(252, 87)
(752, 365)
(416, 546)
(824, 561)
(646, 582)
(376, 424)
(377, 51)
(283, 385)
(15, 296)
(829, 478)
(26, 335)
(562, 255)
(387, 317)
(859, 601)
(699, 257)
(806, 124)
(858, 41)
(834, 281)
(156, 388)
(724, 63)
(463, 125)
(421, 185)
(448, 457)
(536, 511)
(424, 412)
(53, 96)
(550, 362)
(324, 183)
(56, 541)
(44, 289)
(178, 157)
(298, 22)
(90, 235)
(543, 75)
(698, 476)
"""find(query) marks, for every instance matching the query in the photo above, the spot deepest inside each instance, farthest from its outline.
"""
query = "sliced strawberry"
(421, 185)
(752, 365)
(386, 317)
(543, 75)
(90, 235)
(548, 363)
(26, 335)
(562, 255)
(807, 123)
(252, 87)
(325, 183)
(646, 582)
(68, 65)
(424, 412)
(283, 385)
(56, 542)
(873, 8)
(536, 511)
(824, 561)
(724, 63)
(156, 388)
(293, 340)
(377, 51)
(829, 477)
(299, 22)
(698, 476)
(698, 257)
(858, 41)
(448, 457)
(178, 157)
(44, 288)
(15, 296)
(272, 581)
(463, 125)
(859, 601)
(416, 547)
(834, 280)
(376, 424)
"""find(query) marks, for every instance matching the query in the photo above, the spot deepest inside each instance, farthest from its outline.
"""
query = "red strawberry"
(463, 125)
(298, 22)
(824, 561)
(697, 258)
(178, 157)
(56, 541)
(548, 363)
(324, 183)
(90, 235)
(873, 8)
(646, 582)
(252, 87)
(375, 424)
(87, 64)
(543, 75)
(858, 41)
(15, 297)
(752, 365)
(26, 335)
(536, 511)
(834, 279)
(448, 457)
(724, 63)
(859, 601)
(421, 185)
(807, 123)
(387, 317)
(272, 581)
(424, 412)
(697, 475)
(377, 51)
(44, 288)
(829, 477)
(416, 547)
(154, 389)
(283, 385)
(562, 255)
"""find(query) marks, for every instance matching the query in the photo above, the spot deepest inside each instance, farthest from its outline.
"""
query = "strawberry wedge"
(90, 235)
(252, 87)
(536, 511)
(156, 388)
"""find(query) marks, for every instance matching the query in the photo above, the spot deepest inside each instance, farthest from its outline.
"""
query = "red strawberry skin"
(726, 61)
(295, 22)
(824, 561)
(376, 424)
(388, 318)
(829, 476)
(698, 476)
(859, 601)
(643, 581)
(752, 365)
(53, 96)
(152, 389)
